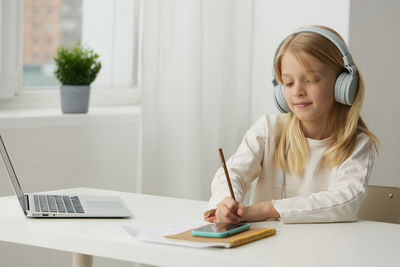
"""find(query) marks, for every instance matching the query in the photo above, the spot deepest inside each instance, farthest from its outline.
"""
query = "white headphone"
(346, 85)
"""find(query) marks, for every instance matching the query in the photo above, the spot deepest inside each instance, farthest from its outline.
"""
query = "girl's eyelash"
(313, 81)
(308, 81)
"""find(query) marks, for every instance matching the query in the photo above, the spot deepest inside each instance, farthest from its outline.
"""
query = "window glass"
(48, 24)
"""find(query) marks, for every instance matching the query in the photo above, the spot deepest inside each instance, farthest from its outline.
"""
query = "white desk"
(340, 244)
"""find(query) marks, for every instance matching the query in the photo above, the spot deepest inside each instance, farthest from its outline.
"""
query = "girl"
(312, 163)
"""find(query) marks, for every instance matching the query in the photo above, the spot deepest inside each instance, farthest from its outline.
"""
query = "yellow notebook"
(239, 239)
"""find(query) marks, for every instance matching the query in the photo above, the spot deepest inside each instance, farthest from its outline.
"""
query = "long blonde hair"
(345, 122)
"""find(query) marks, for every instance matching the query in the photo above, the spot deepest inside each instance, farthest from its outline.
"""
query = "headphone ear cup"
(280, 99)
(346, 88)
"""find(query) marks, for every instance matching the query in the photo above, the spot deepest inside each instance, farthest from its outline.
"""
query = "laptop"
(63, 206)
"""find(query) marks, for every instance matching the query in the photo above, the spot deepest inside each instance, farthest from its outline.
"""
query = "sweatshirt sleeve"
(344, 197)
(244, 166)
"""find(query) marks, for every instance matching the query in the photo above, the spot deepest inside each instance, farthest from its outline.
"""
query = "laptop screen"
(11, 173)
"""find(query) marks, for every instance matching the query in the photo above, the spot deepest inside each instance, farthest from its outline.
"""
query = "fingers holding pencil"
(230, 211)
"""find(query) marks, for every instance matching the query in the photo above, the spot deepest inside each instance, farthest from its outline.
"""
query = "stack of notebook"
(242, 238)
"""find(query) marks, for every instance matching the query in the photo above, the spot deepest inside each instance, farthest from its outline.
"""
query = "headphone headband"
(331, 37)
(347, 58)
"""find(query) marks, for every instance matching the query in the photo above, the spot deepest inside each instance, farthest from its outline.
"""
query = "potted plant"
(76, 69)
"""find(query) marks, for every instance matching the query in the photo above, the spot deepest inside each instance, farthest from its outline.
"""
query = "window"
(34, 30)
(106, 26)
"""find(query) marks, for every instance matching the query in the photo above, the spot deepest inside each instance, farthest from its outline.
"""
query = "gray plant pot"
(75, 98)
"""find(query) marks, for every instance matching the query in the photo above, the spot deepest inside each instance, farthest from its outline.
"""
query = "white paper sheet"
(156, 234)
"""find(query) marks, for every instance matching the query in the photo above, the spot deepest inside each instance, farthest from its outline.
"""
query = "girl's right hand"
(230, 211)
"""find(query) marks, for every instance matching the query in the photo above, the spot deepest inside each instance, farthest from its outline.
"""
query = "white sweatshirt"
(322, 194)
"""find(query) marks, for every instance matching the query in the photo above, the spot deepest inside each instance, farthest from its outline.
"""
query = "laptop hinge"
(26, 202)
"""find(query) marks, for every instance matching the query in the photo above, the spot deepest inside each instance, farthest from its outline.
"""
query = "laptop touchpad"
(104, 204)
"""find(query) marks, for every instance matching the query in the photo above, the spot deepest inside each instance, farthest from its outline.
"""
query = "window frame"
(18, 97)
(11, 47)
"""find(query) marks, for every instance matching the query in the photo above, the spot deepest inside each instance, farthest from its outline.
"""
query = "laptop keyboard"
(56, 203)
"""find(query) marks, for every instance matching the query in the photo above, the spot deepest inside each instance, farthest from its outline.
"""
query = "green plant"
(76, 66)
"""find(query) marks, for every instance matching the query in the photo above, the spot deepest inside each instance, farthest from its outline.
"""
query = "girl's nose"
(299, 89)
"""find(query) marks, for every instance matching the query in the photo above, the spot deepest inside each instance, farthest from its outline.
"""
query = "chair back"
(381, 204)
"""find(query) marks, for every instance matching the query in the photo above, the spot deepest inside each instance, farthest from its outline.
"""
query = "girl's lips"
(302, 105)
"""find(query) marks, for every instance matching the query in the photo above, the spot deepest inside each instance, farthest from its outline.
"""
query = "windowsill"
(50, 98)
(43, 109)
(52, 117)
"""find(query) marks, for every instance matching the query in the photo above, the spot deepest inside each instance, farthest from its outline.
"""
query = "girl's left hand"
(209, 216)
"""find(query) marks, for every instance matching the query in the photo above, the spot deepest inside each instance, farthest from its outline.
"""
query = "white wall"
(100, 155)
(45, 158)
(374, 43)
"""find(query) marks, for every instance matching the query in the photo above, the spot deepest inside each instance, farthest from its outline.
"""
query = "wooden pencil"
(221, 154)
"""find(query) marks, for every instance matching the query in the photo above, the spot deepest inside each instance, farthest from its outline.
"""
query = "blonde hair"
(345, 122)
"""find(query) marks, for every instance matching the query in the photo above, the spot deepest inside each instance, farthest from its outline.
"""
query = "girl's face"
(308, 90)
